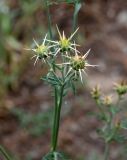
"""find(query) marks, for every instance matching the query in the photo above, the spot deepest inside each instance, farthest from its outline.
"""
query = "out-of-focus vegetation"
(35, 124)
(16, 19)
(20, 22)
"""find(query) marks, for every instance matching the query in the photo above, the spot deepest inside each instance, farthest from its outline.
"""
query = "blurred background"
(26, 103)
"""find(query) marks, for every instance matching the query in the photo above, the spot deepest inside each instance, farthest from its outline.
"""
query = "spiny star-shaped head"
(77, 63)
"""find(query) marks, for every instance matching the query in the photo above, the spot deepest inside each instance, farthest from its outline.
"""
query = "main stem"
(55, 129)
(106, 152)
(56, 117)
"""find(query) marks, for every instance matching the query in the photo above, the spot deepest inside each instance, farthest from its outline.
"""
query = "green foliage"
(5, 30)
(9, 46)
(52, 79)
(35, 124)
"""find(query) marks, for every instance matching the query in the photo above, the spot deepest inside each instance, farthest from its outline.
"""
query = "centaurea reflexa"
(64, 44)
(41, 51)
(78, 64)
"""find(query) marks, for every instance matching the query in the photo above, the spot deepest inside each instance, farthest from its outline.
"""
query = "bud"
(96, 93)
(121, 88)
(107, 100)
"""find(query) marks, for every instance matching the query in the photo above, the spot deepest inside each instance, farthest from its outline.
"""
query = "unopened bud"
(96, 93)
(121, 88)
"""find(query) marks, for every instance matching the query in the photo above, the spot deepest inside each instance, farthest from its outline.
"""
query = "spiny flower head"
(41, 51)
(78, 63)
(64, 44)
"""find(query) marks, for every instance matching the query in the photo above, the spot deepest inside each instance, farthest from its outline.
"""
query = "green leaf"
(52, 79)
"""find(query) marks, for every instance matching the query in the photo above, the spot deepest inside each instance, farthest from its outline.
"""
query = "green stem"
(4, 153)
(55, 90)
(107, 142)
(75, 15)
(100, 107)
(74, 19)
(54, 118)
(49, 19)
(106, 152)
(56, 122)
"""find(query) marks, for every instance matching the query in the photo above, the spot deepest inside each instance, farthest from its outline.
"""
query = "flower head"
(107, 100)
(41, 51)
(79, 63)
(64, 44)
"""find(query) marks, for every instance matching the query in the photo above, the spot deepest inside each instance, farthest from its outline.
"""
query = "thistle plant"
(61, 76)
(112, 115)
